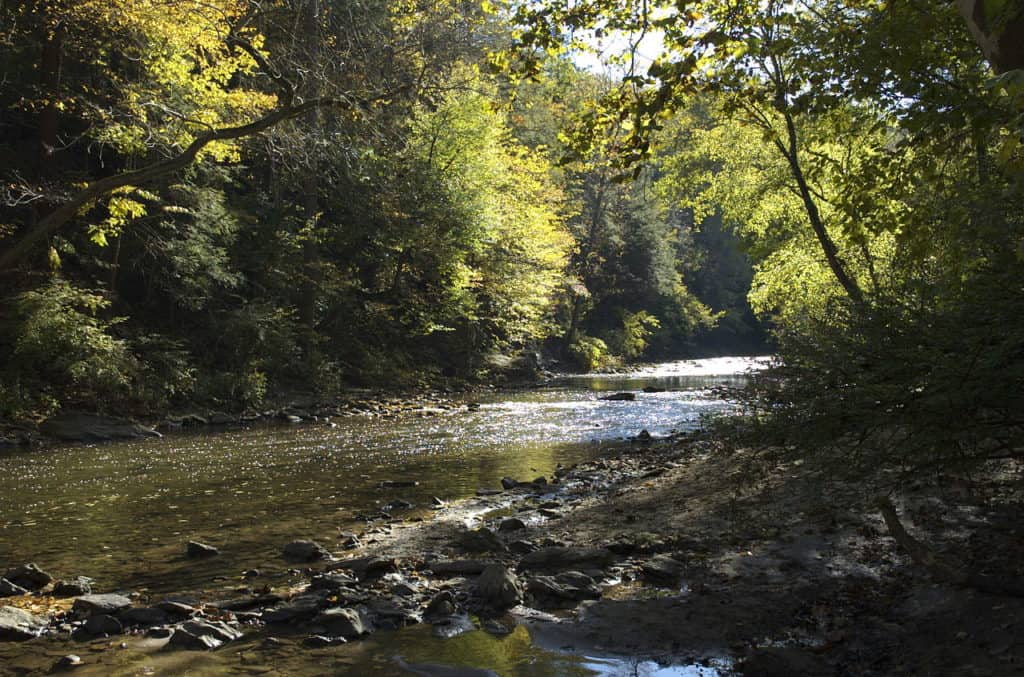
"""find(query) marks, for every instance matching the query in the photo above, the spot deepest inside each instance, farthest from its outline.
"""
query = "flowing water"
(122, 512)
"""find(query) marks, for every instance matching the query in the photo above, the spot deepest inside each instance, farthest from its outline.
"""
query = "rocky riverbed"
(670, 551)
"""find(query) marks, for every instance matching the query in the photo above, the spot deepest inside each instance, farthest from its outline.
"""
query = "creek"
(121, 513)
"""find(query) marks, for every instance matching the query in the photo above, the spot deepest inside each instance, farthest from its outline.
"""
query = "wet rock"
(298, 608)
(488, 492)
(653, 389)
(508, 483)
(511, 524)
(103, 624)
(662, 570)
(183, 639)
(28, 576)
(389, 616)
(160, 632)
(480, 540)
(350, 541)
(404, 589)
(144, 616)
(397, 504)
(498, 626)
(619, 397)
(18, 624)
(458, 567)
(219, 630)
(8, 589)
(305, 551)
(333, 581)
(436, 502)
(565, 590)
(320, 642)
(453, 626)
(220, 418)
(644, 436)
(90, 428)
(560, 558)
(342, 622)
(442, 604)
(95, 605)
(195, 550)
(76, 587)
(178, 609)
(246, 603)
(782, 662)
(68, 662)
(398, 484)
(369, 568)
(499, 588)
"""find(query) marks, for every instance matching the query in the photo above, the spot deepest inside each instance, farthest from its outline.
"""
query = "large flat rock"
(75, 427)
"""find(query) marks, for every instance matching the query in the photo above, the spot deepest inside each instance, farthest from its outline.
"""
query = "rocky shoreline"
(668, 550)
(75, 427)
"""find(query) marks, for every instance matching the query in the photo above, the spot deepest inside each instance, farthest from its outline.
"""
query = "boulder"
(305, 551)
(619, 397)
(440, 605)
(177, 609)
(103, 624)
(558, 558)
(480, 540)
(653, 389)
(28, 576)
(74, 427)
(662, 570)
(341, 622)
(8, 589)
(183, 639)
(511, 524)
(76, 587)
(18, 624)
(67, 662)
(195, 549)
(498, 588)
(95, 605)
(508, 483)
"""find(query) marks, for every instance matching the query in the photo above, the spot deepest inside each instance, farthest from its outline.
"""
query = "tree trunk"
(998, 28)
(49, 80)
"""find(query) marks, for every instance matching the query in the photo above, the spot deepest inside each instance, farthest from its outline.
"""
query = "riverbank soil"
(777, 567)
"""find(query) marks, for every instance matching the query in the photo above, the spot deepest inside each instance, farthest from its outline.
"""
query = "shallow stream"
(121, 513)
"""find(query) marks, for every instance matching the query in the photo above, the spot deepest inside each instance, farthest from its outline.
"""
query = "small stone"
(28, 576)
(442, 604)
(195, 549)
(481, 540)
(342, 622)
(436, 502)
(319, 641)
(69, 661)
(508, 483)
(305, 551)
(216, 629)
(76, 587)
(95, 605)
(103, 624)
(8, 589)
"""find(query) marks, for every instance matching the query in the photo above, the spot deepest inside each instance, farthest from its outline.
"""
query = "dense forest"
(216, 201)
(212, 201)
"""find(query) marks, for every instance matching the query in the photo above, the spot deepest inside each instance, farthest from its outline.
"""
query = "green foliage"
(590, 354)
(63, 342)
